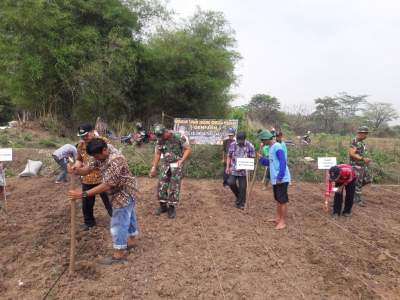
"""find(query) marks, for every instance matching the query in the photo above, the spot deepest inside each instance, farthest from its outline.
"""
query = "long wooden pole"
(250, 189)
(73, 228)
(247, 189)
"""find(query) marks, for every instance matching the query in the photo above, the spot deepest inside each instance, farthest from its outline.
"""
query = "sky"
(300, 50)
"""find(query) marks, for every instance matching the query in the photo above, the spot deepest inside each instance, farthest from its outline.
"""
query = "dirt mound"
(211, 251)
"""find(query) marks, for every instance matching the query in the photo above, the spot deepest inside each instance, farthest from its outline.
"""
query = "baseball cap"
(241, 136)
(84, 129)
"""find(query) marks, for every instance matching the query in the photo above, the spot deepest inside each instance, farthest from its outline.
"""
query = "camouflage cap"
(363, 129)
(159, 129)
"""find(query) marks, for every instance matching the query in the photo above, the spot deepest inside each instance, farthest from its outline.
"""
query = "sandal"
(111, 260)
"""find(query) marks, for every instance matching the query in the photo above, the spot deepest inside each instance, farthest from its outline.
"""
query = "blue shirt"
(284, 148)
(278, 168)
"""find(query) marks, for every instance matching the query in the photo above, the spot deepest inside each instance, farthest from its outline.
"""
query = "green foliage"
(187, 71)
(46, 143)
(71, 58)
(79, 59)
(7, 109)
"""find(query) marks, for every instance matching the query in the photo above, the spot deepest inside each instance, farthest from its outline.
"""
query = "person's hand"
(71, 168)
(326, 206)
(73, 195)
(153, 172)
(180, 163)
(366, 160)
(227, 171)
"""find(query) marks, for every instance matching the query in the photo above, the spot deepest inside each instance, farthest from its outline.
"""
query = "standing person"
(118, 181)
(174, 149)
(61, 156)
(265, 154)
(225, 150)
(239, 149)
(280, 177)
(359, 160)
(279, 139)
(344, 177)
(89, 180)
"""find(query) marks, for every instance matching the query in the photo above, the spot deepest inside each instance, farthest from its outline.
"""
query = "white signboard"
(325, 163)
(6, 154)
(245, 163)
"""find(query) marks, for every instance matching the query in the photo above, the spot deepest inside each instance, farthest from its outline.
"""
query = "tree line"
(75, 60)
(339, 114)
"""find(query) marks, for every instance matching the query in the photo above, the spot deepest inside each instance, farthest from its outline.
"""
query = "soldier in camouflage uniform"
(173, 149)
(359, 161)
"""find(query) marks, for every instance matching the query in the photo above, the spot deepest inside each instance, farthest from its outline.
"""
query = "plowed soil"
(210, 251)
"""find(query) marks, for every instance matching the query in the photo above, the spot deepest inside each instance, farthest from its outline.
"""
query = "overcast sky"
(299, 50)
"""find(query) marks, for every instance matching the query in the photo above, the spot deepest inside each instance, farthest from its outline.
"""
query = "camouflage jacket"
(172, 149)
(360, 150)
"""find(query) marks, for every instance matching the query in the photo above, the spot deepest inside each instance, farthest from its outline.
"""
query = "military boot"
(171, 212)
(162, 209)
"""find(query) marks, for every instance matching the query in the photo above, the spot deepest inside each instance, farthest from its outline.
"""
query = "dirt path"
(211, 251)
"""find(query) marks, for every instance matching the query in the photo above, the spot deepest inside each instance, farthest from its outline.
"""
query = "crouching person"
(121, 187)
(344, 178)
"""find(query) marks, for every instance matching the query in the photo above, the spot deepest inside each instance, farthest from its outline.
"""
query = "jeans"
(88, 204)
(348, 203)
(239, 191)
(62, 176)
(123, 224)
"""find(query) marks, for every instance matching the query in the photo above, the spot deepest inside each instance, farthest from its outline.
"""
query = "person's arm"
(353, 154)
(77, 194)
(223, 152)
(282, 165)
(228, 164)
(186, 152)
(229, 159)
(156, 160)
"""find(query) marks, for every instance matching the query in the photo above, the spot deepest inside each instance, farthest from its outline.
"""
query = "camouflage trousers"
(363, 178)
(169, 185)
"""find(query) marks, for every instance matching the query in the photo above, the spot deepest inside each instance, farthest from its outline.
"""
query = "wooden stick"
(247, 189)
(3, 174)
(250, 190)
(73, 229)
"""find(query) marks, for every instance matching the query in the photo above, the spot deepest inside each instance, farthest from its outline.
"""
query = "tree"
(188, 71)
(350, 105)
(264, 108)
(75, 59)
(378, 114)
(326, 113)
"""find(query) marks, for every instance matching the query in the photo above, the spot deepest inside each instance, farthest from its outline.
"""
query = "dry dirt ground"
(211, 251)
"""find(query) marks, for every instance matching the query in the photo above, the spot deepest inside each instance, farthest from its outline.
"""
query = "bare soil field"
(210, 251)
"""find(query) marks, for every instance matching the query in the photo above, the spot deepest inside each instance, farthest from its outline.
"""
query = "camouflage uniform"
(170, 179)
(359, 166)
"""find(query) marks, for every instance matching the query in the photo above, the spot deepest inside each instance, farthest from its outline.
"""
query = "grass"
(205, 161)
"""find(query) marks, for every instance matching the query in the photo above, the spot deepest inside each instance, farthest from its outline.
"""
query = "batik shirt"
(94, 177)
(235, 152)
(115, 173)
